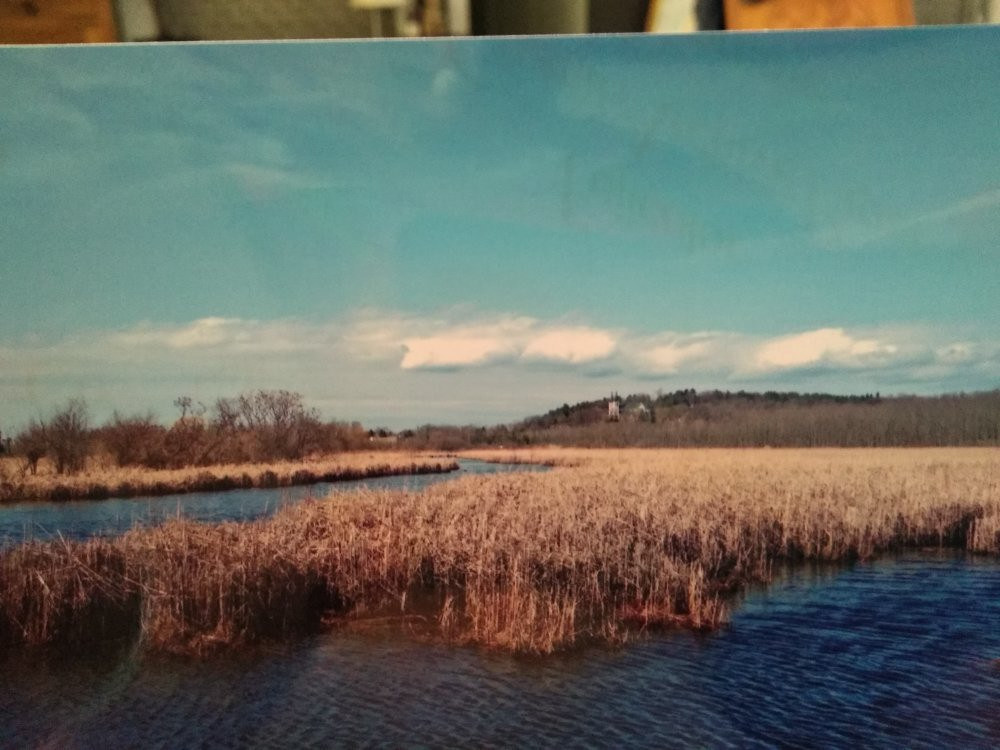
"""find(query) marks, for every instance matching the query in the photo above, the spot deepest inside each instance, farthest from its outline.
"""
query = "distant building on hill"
(614, 408)
(628, 410)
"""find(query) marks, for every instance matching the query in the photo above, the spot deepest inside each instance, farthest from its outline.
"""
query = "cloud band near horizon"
(468, 365)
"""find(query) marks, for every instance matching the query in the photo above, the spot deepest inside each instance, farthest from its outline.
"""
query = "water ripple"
(896, 653)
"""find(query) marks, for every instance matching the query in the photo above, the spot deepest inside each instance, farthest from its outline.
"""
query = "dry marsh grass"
(98, 482)
(620, 541)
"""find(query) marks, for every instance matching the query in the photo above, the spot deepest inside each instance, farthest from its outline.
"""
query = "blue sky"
(472, 231)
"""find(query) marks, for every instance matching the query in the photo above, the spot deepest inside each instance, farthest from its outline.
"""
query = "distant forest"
(260, 426)
(741, 419)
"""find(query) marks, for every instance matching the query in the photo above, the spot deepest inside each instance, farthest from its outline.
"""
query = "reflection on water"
(898, 653)
(80, 519)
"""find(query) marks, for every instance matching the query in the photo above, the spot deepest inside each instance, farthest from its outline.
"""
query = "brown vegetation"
(253, 427)
(97, 482)
(742, 419)
(624, 540)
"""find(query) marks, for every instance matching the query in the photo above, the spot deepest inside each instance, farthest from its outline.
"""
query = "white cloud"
(574, 345)
(207, 332)
(677, 353)
(478, 367)
(969, 357)
(446, 343)
(669, 357)
(459, 339)
(465, 346)
(830, 345)
(373, 336)
(453, 351)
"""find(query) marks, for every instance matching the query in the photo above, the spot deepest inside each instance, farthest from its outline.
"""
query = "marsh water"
(80, 519)
(901, 652)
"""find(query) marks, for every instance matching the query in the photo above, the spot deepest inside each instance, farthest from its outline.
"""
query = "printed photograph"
(636, 391)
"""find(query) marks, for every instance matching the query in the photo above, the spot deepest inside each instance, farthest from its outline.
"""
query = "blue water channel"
(897, 653)
(81, 519)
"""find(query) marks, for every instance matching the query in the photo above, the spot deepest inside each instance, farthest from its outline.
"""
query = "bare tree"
(136, 440)
(274, 424)
(185, 404)
(31, 445)
(66, 436)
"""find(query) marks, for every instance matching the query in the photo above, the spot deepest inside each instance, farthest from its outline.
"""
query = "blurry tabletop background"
(87, 21)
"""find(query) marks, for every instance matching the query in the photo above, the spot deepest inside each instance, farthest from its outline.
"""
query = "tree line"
(954, 420)
(740, 419)
(254, 426)
(274, 425)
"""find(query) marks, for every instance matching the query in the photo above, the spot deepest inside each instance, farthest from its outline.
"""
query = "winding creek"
(81, 519)
(899, 652)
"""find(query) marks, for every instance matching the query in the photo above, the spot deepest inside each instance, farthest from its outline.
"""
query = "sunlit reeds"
(619, 542)
(97, 482)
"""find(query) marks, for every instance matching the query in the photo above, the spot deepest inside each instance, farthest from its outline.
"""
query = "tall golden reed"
(98, 482)
(615, 542)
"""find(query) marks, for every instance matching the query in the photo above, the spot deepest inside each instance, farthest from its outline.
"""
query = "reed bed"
(539, 455)
(623, 541)
(98, 483)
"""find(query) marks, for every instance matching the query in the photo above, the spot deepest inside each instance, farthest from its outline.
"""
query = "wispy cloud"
(851, 234)
(262, 181)
(673, 352)
(832, 346)
(223, 336)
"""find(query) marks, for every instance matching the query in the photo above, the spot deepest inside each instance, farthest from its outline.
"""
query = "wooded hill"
(742, 418)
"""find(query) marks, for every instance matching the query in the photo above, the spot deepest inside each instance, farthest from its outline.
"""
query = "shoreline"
(214, 479)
